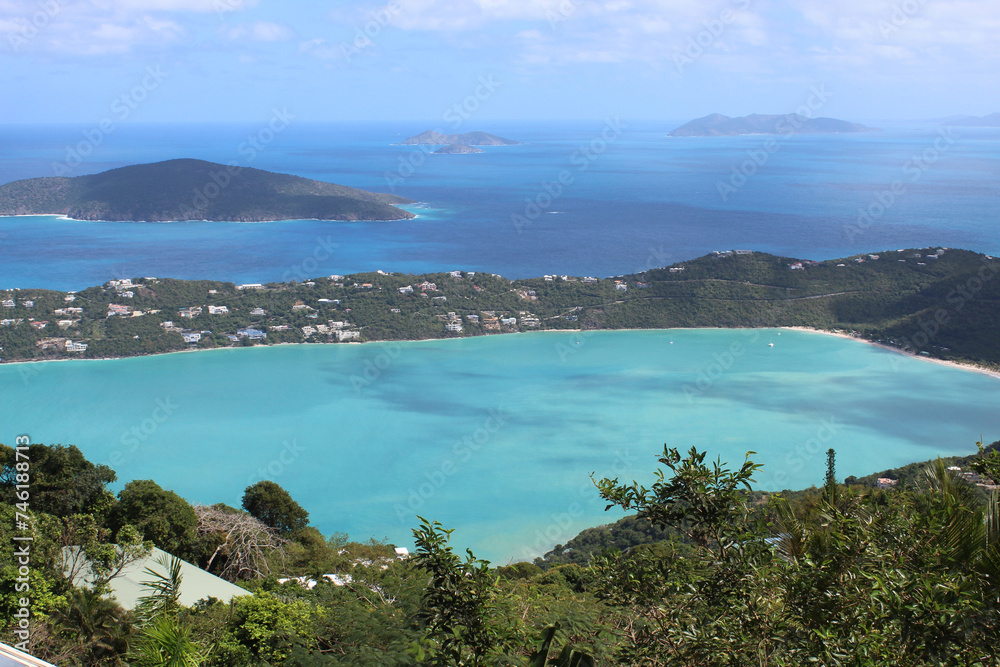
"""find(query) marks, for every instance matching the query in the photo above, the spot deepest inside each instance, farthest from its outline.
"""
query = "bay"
(496, 436)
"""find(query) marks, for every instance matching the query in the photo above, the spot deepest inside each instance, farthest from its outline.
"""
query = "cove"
(496, 436)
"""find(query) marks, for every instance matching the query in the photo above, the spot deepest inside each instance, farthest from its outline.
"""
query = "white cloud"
(183, 5)
(260, 31)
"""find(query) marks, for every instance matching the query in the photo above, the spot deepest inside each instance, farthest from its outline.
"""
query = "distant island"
(187, 189)
(990, 120)
(933, 302)
(435, 138)
(457, 149)
(717, 125)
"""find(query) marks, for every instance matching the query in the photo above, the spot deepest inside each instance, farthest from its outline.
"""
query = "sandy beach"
(943, 362)
(577, 332)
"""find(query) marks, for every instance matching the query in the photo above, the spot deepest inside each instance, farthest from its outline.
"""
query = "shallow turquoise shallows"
(496, 436)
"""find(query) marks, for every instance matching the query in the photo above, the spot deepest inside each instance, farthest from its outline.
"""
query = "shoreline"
(966, 366)
(577, 332)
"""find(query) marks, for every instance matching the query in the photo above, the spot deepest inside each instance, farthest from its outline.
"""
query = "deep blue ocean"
(630, 198)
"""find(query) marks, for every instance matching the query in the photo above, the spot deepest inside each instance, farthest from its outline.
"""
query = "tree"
(163, 517)
(165, 640)
(245, 544)
(830, 486)
(97, 628)
(63, 481)
(907, 578)
(460, 608)
(274, 506)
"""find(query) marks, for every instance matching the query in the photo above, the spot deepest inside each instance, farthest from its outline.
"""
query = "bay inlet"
(496, 436)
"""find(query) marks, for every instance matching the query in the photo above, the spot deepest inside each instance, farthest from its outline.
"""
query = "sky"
(76, 61)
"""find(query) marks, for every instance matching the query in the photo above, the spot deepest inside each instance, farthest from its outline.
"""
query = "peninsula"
(935, 302)
(717, 125)
(187, 189)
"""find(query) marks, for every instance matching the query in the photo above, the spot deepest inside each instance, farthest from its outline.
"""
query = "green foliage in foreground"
(846, 575)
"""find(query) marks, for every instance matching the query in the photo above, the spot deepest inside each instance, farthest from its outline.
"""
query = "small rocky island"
(187, 189)
(717, 125)
(453, 144)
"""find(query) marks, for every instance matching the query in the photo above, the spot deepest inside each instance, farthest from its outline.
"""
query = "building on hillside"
(251, 333)
(127, 588)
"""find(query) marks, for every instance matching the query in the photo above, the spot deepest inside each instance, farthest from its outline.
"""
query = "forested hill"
(188, 189)
(932, 301)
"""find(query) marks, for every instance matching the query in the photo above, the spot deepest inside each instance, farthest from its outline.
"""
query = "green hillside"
(947, 307)
(195, 190)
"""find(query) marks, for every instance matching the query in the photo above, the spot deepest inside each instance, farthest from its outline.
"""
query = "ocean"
(496, 436)
(603, 198)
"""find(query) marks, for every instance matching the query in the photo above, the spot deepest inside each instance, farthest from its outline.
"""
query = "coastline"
(578, 332)
(889, 348)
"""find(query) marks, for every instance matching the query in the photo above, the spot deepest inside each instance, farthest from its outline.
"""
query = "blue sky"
(238, 60)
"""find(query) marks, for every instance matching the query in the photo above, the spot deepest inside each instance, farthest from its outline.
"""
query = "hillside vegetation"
(939, 303)
(195, 190)
(834, 576)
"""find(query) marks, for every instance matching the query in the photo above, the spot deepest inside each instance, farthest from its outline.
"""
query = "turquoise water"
(495, 436)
